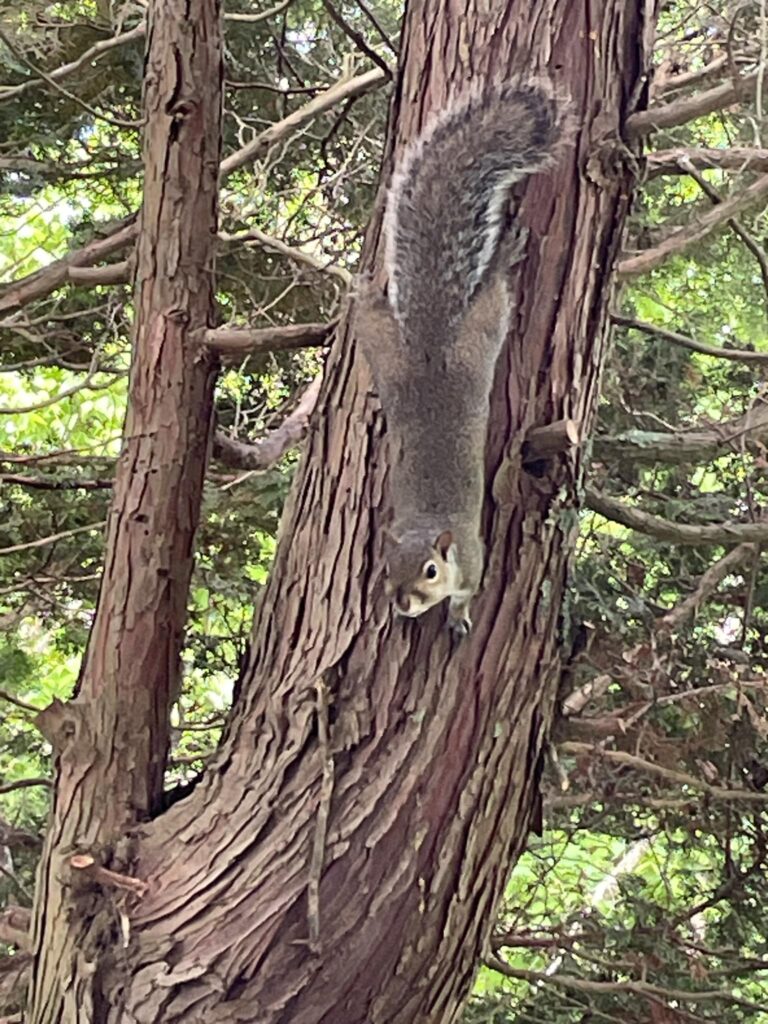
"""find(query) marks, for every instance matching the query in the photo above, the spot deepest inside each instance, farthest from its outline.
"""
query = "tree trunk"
(111, 741)
(341, 860)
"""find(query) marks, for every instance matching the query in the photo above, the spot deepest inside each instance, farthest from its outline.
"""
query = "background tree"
(361, 754)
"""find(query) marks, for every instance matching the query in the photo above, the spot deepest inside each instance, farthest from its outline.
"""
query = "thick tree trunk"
(341, 861)
(112, 740)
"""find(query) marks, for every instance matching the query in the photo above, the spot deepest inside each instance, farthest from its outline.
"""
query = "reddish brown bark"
(341, 860)
(111, 741)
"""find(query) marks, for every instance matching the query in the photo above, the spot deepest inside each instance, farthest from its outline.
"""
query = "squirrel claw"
(460, 626)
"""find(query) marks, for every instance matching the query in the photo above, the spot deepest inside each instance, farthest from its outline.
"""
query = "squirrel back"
(432, 344)
(448, 196)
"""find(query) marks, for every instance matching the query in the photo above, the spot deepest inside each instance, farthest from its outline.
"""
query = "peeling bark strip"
(112, 740)
(435, 751)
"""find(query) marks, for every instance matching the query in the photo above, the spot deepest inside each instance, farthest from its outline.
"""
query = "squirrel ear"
(443, 542)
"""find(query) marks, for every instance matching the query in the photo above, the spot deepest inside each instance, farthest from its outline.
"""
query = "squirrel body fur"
(432, 344)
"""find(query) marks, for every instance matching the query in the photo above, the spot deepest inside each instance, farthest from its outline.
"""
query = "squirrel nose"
(402, 602)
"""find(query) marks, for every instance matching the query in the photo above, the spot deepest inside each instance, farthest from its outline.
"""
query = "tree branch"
(46, 280)
(678, 778)
(89, 56)
(706, 586)
(282, 130)
(736, 354)
(357, 38)
(11, 787)
(43, 483)
(676, 533)
(736, 226)
(672, 115)
(696, 231)
(734, 158)
(642, 988)
(42, 541)
(233, 343)
(254, 236)
(261, 454)
(679, 447)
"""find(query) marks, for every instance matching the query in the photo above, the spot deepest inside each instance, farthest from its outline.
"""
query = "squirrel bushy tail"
(447, 201)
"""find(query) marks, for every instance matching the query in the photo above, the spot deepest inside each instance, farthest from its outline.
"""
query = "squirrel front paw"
(459, 621)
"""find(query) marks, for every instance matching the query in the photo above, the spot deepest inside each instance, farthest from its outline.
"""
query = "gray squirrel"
(433, 343)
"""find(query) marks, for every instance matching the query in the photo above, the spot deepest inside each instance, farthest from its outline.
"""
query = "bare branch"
(696, 231)
(357, 38)
(21, 704)
(736, 226)
(10, 787)
(734, 158)
(261, 454)
(739, 355)
(254, 236)
(263, 16)
(112, 273)
(676, 533)
(45, 483)
(89, 56)
(706, 586)
(282, 130)
(42, 541)
(642, 988)
(53, 276)
(72, 97)
(697, 445)
(686, 78)
(233, 343)
(678, 778)
(671, 115)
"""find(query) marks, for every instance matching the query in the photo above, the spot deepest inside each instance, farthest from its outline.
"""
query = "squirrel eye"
(430, 570)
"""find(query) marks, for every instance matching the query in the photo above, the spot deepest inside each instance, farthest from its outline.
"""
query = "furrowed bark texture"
(341, 860)
(111, 740)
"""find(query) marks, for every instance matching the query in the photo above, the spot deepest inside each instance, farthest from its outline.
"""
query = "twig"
(252, 19)
(115, 122)
(42, 541)
(670, 774)
(46, 280)
(642, 988)
(733, 158)
(738, 229)
(22, 705)
(10, 787)
(42, 483)
(696, 231)
(91, 55)
(282, 130)
(254, 236)
(357, 38)
(376, 24)
(736, 354)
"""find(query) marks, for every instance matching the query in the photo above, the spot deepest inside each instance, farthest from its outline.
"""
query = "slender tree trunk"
(341, 861)
(111, 741)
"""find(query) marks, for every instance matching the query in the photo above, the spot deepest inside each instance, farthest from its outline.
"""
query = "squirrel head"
(422, 570)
